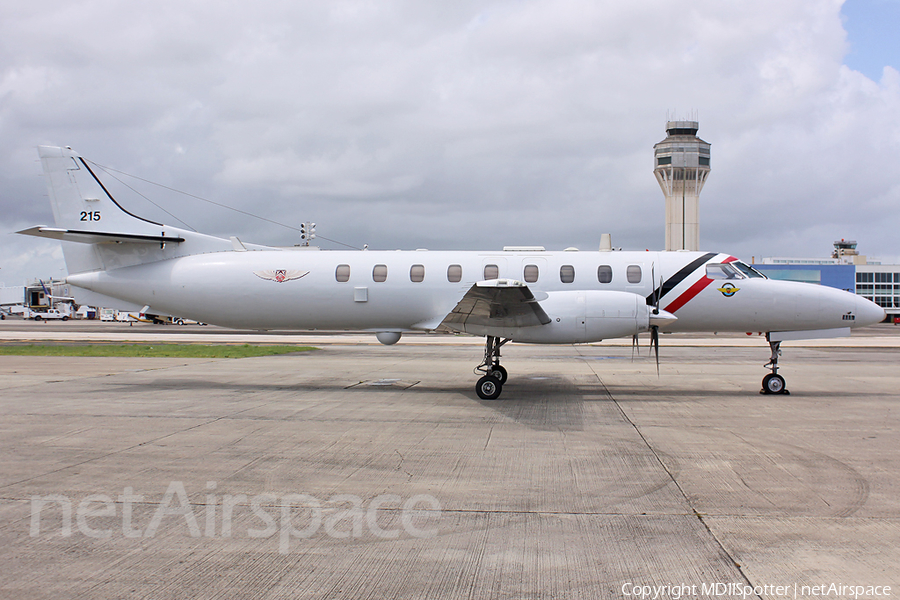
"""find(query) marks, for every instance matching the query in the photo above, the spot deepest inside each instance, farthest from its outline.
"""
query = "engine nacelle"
(581, 316)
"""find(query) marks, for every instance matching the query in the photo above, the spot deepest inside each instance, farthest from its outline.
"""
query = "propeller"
(654, 329)
(658, 318)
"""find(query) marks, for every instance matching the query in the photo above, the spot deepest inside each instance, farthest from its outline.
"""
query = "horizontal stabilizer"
(98, 237)
(497, 303)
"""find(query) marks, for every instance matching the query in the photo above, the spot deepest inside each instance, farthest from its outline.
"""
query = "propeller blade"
(654, 340)
(634, 344)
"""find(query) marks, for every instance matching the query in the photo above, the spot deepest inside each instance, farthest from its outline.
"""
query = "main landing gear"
(493, 375)
(773, 383)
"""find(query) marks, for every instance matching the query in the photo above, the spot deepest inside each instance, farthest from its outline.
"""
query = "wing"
(497, 303)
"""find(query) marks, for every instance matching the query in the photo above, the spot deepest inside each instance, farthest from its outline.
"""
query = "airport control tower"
(681, 164)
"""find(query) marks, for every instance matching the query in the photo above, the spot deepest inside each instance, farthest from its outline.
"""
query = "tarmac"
(366, 471)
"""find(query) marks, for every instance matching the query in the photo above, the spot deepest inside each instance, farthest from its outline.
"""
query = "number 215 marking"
(88, 215)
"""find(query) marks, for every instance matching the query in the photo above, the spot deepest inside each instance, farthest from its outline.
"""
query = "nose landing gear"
(773, 383)
(494, 376)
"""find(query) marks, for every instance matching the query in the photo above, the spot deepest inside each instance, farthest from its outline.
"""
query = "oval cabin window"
(604, 273)
(633, 273)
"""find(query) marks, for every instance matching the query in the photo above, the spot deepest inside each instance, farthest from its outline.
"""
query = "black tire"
(37, 318)
(498, 373)
(488, 388)
(65, 318)
(773, 384)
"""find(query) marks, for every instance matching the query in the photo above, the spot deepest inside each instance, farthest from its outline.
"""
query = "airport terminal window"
(664, 160)
(417, 273)
(567, 273)
(531, 273)
(491, 272)
(604, 273)
(379, 273)
(633, 273)
(454, 273)
(342, 273)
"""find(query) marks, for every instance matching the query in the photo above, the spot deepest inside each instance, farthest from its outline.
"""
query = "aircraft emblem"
(728, 290)
(280, 275)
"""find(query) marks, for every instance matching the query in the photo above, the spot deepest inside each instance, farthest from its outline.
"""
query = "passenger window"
(604, 273)
(379, 273)
(454, 273)
(417, 273)
(633, 273)
(531, 273)
(342, 273)
(491, 272)
(567, 273)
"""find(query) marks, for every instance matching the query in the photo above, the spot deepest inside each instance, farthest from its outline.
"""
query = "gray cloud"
(463, 125)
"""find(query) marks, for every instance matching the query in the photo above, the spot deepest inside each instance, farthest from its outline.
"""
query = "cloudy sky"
(459, 125)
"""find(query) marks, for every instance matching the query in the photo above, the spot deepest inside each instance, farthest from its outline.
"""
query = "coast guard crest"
(280, 275)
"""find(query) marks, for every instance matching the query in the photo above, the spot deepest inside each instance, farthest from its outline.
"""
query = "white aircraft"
(522, 294)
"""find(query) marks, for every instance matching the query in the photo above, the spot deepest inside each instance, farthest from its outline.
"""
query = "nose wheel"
(488, 388)
(773, 383)
(493, 375)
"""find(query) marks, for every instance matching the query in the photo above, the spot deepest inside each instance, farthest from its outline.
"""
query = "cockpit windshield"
(731, 270)
(747, 269)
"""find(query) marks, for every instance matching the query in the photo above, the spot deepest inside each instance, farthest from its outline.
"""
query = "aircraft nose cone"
(867, 312)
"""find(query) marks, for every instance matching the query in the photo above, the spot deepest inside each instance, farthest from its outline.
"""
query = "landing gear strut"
(773, 383)
(493, 375)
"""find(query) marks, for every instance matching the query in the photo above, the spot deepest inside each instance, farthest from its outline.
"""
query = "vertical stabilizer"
(98, 233)
(81, 201)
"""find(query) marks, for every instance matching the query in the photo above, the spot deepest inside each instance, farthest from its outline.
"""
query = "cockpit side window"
(722, 271)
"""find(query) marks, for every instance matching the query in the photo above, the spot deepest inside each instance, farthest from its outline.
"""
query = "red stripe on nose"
(689, 294)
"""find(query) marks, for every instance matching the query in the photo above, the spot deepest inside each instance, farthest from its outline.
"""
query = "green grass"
(149, 350)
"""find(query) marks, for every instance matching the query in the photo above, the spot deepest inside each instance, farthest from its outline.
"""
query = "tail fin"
(79, 198)
(107, 235)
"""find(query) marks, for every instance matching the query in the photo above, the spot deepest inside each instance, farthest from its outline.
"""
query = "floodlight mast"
(307, 233)
(681, 166)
